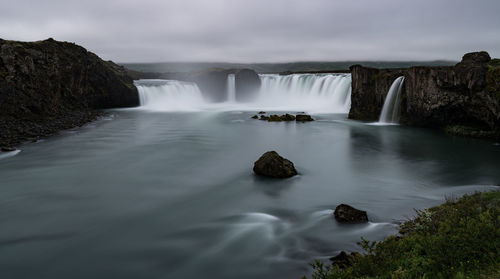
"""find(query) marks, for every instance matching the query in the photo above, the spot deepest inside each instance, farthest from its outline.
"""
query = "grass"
(459, 239)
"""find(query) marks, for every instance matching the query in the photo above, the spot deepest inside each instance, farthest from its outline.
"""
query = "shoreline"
(17, 131)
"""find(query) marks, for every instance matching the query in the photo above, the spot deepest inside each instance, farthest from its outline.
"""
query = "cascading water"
(231, 88)
(169, 95)
(317, 92)
(390, 111)
(326, 93)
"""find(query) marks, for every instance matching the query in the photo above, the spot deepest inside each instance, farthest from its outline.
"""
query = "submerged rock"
(255, 117)
(262, 112)
(303, 118)
(271, 164)
(347, 214)
(263, 117)
(343, 260)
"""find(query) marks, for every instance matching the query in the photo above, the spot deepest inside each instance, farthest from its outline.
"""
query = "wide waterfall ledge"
(314, 93)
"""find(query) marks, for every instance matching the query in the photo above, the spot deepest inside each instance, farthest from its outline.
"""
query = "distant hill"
(278, 67)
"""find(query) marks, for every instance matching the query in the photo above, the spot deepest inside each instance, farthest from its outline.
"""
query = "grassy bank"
(458, 239)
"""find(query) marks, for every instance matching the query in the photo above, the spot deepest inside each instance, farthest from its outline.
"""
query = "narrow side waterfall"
(316, 92)
(169, 95)
(390, 111)
(231, 88)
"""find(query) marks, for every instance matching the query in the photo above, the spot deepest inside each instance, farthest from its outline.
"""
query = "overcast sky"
(260, 30)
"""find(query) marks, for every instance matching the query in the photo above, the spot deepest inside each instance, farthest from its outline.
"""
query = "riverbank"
(458, 239)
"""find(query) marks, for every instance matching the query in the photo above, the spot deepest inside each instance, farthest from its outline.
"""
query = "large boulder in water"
(271, 164)
(347, 214)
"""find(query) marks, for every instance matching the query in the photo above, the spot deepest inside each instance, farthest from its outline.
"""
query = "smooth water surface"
(145, 194)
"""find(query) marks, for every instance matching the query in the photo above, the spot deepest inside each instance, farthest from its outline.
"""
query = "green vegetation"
(493, 78)
(458, 239)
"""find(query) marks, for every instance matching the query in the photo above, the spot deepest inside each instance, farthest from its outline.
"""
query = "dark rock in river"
(271, 164)
(255, 117)
(347, 214)
(303, 118)
(46, 86)
(467, 94)
(343, 260)
(279, 118)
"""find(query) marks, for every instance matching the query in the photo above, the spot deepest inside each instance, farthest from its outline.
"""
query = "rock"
(262, 112)
(47, 86)
(343, 260)
(263, 117)
(247, 84)
(347, 214)
(7, 149)
(279, 118)
(288, 117)
(467, 94)
(271, 164)
(255, 117)
(303, 118)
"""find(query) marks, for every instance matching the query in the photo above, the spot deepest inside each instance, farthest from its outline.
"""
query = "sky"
(260, 30)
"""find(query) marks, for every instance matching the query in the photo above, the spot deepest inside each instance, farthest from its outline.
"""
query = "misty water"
(170, 193)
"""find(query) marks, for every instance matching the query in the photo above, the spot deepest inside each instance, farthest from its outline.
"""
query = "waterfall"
(231, 88)
(390, 111)
(169, 95)
(318, 93)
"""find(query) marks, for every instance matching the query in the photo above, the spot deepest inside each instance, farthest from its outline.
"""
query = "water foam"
(325, 93)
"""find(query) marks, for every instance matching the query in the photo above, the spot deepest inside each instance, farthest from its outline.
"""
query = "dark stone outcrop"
(285, 117)
(271, 164)
(465, 95)
(303, 118)
(279, 118)
(343, 260)
(247, 83)
(47, 86)
(347, 214)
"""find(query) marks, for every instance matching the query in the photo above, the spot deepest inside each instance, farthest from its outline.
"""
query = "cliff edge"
(464, 99)
(46, 86)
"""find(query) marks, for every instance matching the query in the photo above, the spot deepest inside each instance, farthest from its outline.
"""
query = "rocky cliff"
(466, 95)
(48, 85)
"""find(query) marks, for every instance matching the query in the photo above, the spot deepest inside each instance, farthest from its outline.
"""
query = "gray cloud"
(260, 30)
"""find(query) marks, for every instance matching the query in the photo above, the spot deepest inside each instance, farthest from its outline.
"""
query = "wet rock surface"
(271, 164)
(349, 215)
(284, 117)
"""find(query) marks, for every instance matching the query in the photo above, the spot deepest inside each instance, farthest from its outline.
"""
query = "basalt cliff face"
(466, 95)
(47, 86)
